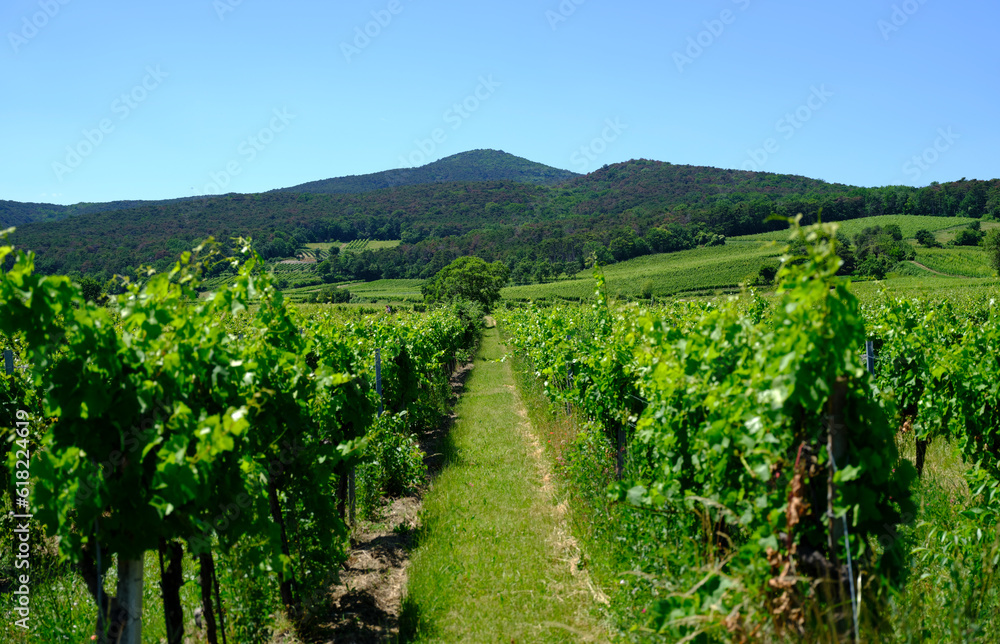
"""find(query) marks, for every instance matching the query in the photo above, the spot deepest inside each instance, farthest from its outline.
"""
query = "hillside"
(475, 165)
(17, 213)
(618, 212)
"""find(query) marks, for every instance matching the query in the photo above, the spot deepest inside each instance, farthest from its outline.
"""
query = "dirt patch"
(366, 606)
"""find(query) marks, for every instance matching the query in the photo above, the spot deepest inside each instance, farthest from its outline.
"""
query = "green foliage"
(968, 237)
(687, 271)
(224, 422)
(878, 249)
(475, 165)
(331, 295)
(927, 238)
(628, 210)
(92, 291)
(468, 278)
(730, 441)
(393, 464)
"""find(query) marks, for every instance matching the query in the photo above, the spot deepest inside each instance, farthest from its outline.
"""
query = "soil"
(367, 605)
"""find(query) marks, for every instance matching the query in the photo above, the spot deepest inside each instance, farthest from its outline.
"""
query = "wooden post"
(921, 455)
(378, 378)
(837, 449)
(171, 580)
(350, 492)
(207, 566)
(218, 604)
(870, 354)
(569, 384)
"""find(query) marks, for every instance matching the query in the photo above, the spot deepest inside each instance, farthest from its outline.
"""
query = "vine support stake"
(870, 355)
(378, 379)
(8, 361)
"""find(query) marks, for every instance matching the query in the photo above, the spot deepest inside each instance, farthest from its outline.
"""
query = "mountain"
(475, 165)
(17, 213)
(616, 212)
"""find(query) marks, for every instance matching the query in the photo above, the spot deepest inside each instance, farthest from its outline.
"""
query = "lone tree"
(992, 245)
(927, 238)
(468, 278)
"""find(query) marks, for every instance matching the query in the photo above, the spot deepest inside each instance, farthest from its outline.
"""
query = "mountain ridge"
(472, 165)
(611, 211)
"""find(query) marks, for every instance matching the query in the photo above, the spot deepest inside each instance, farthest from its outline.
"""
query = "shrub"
(332, 295)
(927, 238)
(968, 237)
(394, 463)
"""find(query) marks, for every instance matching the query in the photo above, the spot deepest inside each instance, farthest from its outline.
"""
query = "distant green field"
(356, 245)
(385, 243)
(948, 234)
(909, 224)
(701, 269)
(284, 269)
(390, 290)
(963, 261)
(954, 289)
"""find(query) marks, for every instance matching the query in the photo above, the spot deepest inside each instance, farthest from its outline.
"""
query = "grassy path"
(494, 563)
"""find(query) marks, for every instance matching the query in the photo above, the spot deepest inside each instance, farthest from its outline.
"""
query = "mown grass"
(488, 568)
(664, 274)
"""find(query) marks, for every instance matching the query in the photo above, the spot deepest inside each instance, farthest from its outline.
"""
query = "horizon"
(209, 97)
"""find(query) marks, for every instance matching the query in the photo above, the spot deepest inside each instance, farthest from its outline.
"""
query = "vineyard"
(695, 271)
(764, 484)
(822, 464)
(228, 429)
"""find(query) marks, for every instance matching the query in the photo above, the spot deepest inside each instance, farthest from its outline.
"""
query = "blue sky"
(169, 98)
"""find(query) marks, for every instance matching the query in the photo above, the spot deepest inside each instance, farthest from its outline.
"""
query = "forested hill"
(617, 212)
(17, 213)
(475, 165)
